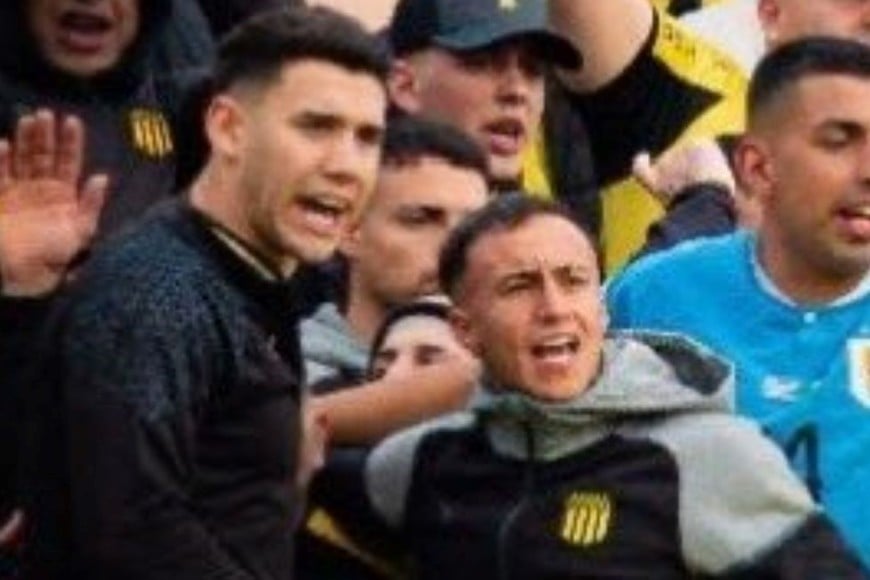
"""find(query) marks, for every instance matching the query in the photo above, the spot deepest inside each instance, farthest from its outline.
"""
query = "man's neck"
(798, 280)
(210, 196)
(364, 315)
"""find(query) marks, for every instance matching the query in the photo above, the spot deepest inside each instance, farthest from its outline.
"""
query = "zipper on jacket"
(526, 494)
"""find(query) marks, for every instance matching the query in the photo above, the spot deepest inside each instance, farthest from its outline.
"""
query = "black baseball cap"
(462, 25)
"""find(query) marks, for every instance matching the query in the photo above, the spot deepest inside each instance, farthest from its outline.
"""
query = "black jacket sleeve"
(703, 209)
(340, 489)
(828, 557)
(128, 425)
(21, 323)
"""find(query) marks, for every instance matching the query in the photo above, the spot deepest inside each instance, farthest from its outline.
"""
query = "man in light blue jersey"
(790, 304)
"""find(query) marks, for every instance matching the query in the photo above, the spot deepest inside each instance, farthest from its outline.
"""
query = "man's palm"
(46, 218)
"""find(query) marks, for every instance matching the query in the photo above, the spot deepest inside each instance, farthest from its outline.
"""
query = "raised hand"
(697, 162)
(47, 217)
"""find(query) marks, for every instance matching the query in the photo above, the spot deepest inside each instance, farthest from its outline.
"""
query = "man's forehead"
(824, 95)
(811, 100)
(326, 88)
(414, 183)
(555, 243)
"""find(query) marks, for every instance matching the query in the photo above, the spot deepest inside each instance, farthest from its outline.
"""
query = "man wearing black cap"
(480, 65)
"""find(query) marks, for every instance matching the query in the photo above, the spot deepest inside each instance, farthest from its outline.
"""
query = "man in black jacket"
(170, 393)
(585, 455)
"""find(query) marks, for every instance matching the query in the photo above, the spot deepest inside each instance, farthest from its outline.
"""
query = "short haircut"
(504, 213)
(421, 307)
(257, 50)
(410, 137)
(784, 67)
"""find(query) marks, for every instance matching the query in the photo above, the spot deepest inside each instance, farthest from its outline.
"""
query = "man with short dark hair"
(584, 456)
(789, 304)
(170, 394)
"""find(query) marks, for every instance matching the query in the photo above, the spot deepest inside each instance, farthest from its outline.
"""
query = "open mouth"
(323, 212)
(506, 136)
(84, 23)
(556, 349)
(856, 221)
(83, 31)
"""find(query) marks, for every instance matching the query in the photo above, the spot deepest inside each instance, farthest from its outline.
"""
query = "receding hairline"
(770, 113)
(460, 290)
(781, 73)
(413, 161)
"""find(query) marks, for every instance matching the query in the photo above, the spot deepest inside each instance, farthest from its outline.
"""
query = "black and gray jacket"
(644, 475)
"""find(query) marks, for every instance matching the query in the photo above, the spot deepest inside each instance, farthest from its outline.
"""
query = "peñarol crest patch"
(587, 519)
(149, 133)
(859, 369)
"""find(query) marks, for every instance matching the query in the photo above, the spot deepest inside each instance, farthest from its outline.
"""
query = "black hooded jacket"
(128, 111)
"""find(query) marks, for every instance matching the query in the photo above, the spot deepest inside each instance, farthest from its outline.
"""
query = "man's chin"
(315, 253)
(83, 67)
(507, 177)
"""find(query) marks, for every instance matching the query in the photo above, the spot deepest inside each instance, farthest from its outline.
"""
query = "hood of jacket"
(328, 341)
(22, 62)
(644, 376)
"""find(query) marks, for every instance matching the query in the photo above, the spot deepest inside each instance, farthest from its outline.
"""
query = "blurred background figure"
(415, 335)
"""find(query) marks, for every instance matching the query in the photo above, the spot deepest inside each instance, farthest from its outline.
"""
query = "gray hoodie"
(736, 503)
(330, 349)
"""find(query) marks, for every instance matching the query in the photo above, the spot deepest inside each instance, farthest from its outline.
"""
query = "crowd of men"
(511, 289)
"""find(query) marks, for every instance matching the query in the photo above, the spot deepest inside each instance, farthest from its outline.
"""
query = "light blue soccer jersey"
(804, 373)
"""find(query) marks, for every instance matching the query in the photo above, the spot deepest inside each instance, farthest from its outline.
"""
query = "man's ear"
(756, 173)
(464, 330)
(404, 87)
(225, 126)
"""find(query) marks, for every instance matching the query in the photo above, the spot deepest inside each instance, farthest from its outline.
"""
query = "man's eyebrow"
(373, 131)
(519, 273)
(574, 267)
(316, 116)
